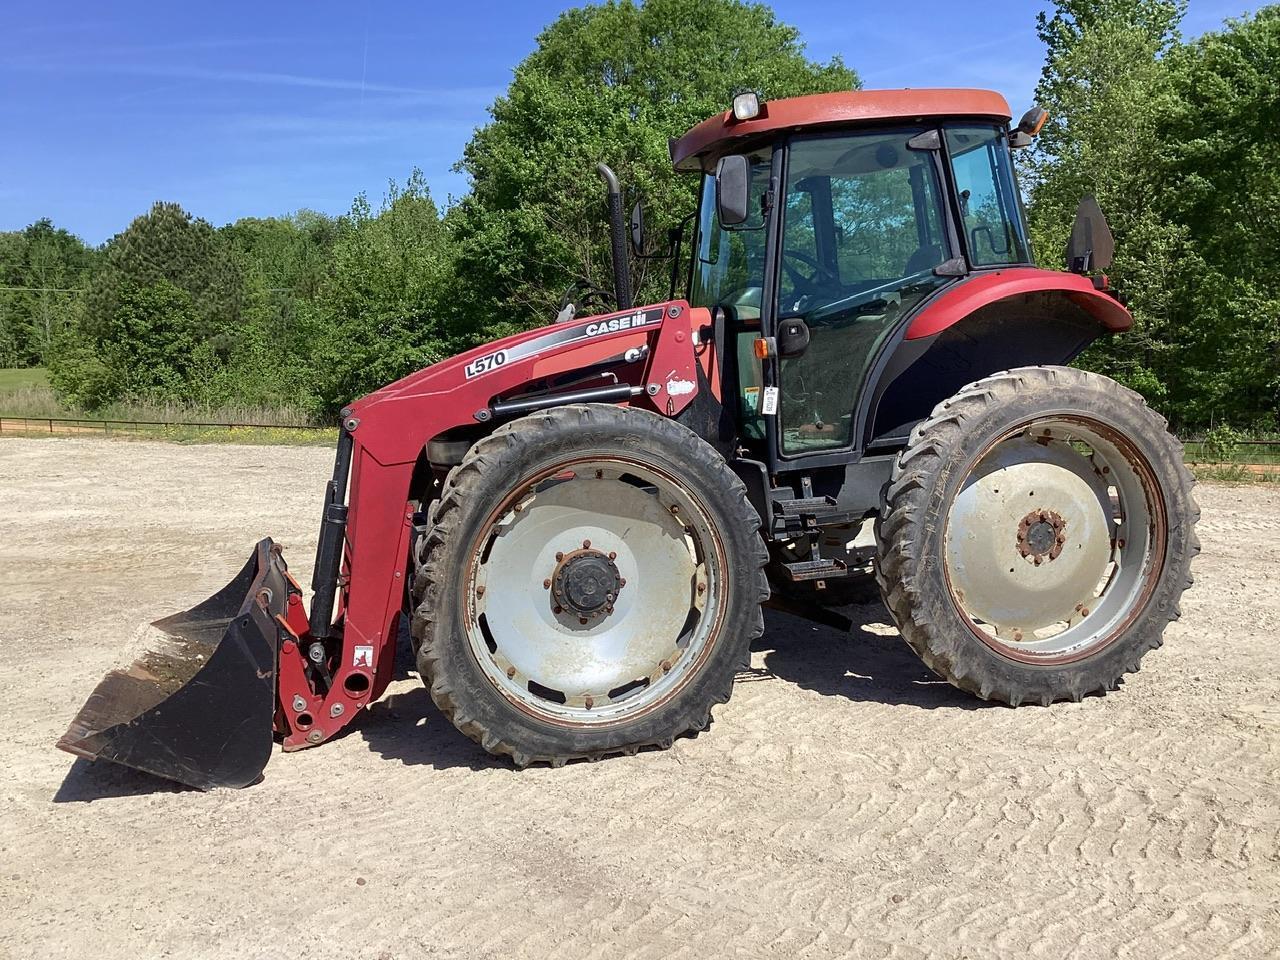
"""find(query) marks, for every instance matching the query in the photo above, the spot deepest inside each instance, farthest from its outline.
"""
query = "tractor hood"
(650, 347)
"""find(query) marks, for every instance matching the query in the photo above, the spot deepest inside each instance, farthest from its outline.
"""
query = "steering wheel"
(798, 278)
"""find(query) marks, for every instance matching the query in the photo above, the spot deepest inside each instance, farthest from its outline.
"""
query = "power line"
(49, 289)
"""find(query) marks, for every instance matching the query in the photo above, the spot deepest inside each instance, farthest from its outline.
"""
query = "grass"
(13, 379)
(1234, 473)
(26, 399)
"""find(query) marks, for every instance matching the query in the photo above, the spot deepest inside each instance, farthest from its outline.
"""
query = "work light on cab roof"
(857, 374)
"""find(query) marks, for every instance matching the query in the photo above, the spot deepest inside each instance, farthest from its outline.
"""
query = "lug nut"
(480, 590)
(546, 584)
(557, 609)
(583, 621)
(666, 666)
(559, 556)
(702, 588)
(511, 672)
(589, 702)
(586, 544)
(613, 555)
(621, 583)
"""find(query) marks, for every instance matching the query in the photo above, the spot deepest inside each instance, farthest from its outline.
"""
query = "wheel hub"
(1041, 536)
(585, 583)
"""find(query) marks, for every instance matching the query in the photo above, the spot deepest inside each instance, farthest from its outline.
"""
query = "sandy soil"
(844, 803)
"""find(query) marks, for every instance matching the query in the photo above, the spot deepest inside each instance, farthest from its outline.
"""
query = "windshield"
(863, 229)
(728, 265)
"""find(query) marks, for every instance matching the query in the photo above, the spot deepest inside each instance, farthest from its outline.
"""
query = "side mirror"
(1028, 127)
(793, 338)
(733, 190)
(1092, 247)
(637, 229)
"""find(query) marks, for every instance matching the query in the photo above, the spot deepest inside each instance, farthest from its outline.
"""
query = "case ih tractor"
(863, 372)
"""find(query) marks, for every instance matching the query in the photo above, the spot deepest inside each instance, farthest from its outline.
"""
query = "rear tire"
(993, 583)
(533, 663)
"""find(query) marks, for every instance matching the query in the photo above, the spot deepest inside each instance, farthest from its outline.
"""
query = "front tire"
(1036, 535)
(589, 584)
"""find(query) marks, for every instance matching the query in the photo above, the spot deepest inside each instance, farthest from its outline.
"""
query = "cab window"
(988, 198)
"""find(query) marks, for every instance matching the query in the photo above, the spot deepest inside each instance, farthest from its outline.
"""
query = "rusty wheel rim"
(1054, 540)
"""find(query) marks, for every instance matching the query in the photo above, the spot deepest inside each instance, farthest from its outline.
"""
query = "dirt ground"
(844, 804)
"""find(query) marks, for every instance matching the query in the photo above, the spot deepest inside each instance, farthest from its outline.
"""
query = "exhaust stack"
(617, 238)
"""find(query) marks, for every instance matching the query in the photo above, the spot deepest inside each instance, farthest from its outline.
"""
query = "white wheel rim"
(1054, 540)
(640, 535)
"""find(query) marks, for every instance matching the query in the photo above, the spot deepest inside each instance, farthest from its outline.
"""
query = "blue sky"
(253, 109)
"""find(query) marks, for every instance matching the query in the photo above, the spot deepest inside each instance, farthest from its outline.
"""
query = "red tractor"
(863, 373)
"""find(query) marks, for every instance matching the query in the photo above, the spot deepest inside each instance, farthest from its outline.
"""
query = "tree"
(144, 351)
(1105, 85)
(1222, 183)
(42, 269)
(168, 244)
(379, 313)
(610, 82)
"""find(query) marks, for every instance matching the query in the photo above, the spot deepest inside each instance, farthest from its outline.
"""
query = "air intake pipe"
(618, 239)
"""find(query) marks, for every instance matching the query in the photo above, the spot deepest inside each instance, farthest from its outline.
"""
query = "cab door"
(863, 225)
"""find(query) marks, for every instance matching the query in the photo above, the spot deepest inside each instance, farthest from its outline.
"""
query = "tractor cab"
(819, 240)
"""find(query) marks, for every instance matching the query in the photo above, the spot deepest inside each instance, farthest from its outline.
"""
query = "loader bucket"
(198, 706)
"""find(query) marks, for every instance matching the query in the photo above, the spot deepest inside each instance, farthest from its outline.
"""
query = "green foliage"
(144, 348)
(42, 269)
(168, 245)
(381, 306)
(1220, 443)
(1178, 143)
(608, 82)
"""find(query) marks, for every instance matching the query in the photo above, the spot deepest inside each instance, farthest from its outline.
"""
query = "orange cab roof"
(713, 136)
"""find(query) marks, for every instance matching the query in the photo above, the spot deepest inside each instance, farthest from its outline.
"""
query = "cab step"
(816, 570)
(805, 506)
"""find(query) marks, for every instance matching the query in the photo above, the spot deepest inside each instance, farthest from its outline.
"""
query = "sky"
(238, 109)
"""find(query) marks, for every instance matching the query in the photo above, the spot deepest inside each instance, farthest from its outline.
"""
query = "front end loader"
(863, 376)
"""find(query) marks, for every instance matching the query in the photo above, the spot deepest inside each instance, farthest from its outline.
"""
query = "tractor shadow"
(867, 662)
(863, 661)
(407, 727)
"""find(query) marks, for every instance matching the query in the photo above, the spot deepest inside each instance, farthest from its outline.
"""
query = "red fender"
(986, 288)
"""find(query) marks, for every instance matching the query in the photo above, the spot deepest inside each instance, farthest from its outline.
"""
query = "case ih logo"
(559, 338)
(637, 319)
